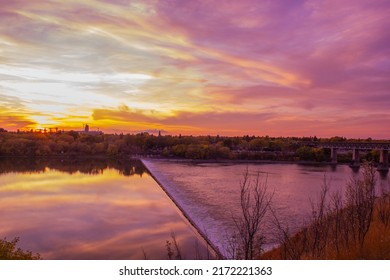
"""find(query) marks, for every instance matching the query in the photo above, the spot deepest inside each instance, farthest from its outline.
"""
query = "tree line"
(189, 147)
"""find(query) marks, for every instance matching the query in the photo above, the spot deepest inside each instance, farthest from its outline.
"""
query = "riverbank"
(376, 245)
(353, 228)
(74, 157)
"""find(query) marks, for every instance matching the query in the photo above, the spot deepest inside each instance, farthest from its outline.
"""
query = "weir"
(214, 249)
(208, 192)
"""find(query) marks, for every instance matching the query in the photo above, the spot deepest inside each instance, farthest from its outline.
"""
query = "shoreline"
(238, 161)
(177, 160)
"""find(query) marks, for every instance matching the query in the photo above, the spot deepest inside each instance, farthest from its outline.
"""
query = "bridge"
(382, 147)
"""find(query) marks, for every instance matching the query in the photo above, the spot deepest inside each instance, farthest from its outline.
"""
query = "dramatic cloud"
(15, 121)
(306, 67)
(220, 122)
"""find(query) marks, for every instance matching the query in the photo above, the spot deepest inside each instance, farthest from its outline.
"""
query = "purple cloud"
(286, 65)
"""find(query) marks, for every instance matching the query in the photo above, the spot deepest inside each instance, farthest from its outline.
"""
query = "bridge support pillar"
(355, 158)
(383, 160)
(333, 154)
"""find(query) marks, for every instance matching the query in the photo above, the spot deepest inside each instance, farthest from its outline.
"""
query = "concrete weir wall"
(214, 250)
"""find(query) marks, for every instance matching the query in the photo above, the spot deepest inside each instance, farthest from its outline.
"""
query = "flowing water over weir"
(176, 198)
(209, 193)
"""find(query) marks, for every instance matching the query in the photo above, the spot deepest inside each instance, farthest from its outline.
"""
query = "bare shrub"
(232, 247)
(360, 199)
(254, 204)
(384, 209)
(144, 254)
(291, 248)
(319, 229)
(339, 227)
(173, 249)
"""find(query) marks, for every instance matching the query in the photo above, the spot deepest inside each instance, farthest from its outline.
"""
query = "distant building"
(89, 132)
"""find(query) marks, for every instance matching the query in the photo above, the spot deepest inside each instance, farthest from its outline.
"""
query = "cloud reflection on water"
(90, 216)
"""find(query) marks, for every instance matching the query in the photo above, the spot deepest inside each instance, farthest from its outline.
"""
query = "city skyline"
(296, 68)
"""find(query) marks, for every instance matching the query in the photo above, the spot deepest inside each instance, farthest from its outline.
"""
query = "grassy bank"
(356, 227)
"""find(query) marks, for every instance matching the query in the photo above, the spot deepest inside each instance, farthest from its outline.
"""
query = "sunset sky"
(272, 67)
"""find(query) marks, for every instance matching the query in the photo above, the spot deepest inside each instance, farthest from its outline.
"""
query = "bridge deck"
(352, 145)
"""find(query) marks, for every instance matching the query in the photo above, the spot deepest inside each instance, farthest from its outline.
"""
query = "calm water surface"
(90, 210)
(100, 209)
(209, 192)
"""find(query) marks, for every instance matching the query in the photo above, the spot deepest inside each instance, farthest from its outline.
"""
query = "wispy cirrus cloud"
(302, 67)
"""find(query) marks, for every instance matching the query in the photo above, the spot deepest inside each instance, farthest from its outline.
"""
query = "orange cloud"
(179, 64)
(15, 122)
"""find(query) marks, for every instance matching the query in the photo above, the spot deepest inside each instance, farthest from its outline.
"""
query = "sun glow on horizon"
(246, 68)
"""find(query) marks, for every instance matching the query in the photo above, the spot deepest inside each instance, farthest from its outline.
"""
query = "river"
(209, 193)
(91, 209)
(110, 209)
